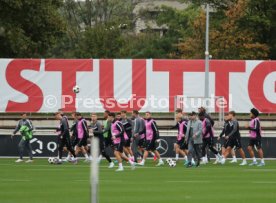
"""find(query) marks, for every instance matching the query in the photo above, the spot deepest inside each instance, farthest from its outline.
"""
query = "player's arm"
(64, 123)
(120, 129)
(85, 127)
(208, 128)
(235, 129)
(185, 127)
(126, 126)
(136, 127)
(99, 130)
(143, 130)
(223, 130)
(186, 136)
(175, 126)
(17, 128)
(199, 129)
(155, 130)
(73, 126)
(30, 125)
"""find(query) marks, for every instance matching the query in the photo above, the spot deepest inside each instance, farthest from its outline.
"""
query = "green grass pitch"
(41, 182)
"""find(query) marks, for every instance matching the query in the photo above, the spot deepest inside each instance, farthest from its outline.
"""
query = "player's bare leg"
(234, 159)
(119, 159)
(243, 157)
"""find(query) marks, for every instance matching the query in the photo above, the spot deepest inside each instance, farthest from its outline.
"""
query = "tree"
(229, 40)
(193, 44)
(147, 45)
(101, 41)
(29, 28)
(260, 18)
(95, 28)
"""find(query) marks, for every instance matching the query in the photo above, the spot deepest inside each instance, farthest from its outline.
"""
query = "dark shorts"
(255, 142)
(208, 141)
(64, 142)
(102, 146)
(102, 143)
(224, 144)
(141, 143)
(75, 141)
(150, 145)
(127, 143)
(82, 142)
(118, 147)
(182, 144)
(108, 142)
(234, 142)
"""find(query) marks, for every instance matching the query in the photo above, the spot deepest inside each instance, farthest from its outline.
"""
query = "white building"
(152, 8)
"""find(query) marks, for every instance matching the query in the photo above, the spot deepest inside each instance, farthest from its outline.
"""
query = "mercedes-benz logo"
(162, 147)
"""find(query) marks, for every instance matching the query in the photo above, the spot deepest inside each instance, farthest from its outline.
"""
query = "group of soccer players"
(196, 135)
(128, 138)
(137, 137)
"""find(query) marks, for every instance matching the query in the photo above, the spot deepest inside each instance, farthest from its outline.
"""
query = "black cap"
(178, 110)
(192, 113)
(255, 112)
(112, 115)
(59, 111)
(201, 114)
(78, 114)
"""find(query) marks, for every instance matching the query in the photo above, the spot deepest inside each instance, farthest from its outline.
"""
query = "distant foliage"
(239, 29)
(29, 28)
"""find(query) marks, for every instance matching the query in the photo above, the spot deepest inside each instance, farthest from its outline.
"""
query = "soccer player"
(207, 138)
(138, 138)
(194, 138)
(152, 134)
(64, 137)
(25, 127)
(98, 132)
(73, 136)
(225, 131)
(179, 113)
(118, 116)
(203, 111)
(73, 128)
(234, 139)
(181, 147)
(117, 133)
(126, 138)
(82, 136)
(107, 129)
(127, 123)
(255, 137)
